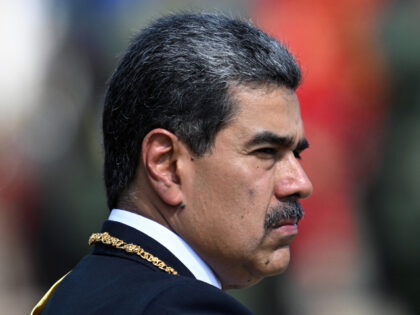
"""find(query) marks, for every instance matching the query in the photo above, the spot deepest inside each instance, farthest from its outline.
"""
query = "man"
(202, 137)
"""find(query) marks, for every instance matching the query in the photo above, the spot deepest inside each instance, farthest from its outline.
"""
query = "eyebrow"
(267, 137)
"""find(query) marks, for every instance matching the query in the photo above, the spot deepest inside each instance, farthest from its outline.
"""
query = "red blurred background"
(356, 252)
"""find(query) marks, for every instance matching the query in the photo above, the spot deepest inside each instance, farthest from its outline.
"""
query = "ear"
(160, 152)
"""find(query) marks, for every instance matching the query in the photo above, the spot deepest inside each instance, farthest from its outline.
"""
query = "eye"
(266, 152)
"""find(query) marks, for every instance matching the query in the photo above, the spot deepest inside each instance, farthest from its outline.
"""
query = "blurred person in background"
(202, 137)
(360, 66)
(393, 200)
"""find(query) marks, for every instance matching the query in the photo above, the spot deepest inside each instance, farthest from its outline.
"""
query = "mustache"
(289, 210)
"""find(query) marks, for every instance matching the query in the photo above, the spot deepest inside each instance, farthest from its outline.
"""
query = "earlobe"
(160, 154)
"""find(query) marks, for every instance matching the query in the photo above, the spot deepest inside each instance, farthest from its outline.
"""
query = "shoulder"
(105, 285)
(190, 296)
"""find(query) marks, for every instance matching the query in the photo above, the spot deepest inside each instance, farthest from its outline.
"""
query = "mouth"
(281, 221)
(284, 214)
(285, 222)
(287, 228)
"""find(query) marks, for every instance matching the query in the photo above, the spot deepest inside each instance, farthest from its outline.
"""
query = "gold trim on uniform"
(107, 239)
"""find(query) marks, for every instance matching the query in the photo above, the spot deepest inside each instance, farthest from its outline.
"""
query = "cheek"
(260, 190)
(257, 200)
(252, 192)
(236, 197)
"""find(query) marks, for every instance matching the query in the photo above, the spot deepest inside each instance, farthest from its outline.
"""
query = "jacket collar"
(131, 235)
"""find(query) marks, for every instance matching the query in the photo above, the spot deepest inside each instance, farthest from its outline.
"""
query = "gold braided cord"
(107, 239)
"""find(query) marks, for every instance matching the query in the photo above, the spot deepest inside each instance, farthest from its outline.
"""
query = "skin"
(252, 169)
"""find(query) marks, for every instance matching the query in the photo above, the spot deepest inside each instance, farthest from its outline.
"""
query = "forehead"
(259, 109)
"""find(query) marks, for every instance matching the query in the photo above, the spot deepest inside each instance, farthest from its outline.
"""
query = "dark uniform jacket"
(111, 281)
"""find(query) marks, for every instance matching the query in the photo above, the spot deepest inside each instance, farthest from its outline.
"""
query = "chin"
(277, 265)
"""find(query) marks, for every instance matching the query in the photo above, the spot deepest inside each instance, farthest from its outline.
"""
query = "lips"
(284, 222)
(286, 229)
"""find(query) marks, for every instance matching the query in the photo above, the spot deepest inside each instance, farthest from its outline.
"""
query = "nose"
(292, 180)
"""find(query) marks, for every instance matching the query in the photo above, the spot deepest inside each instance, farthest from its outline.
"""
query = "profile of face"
(242, 197)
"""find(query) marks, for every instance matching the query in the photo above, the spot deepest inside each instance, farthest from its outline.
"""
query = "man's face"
(241, 198)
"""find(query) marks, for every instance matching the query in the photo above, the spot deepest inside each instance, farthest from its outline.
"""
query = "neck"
(150, 209)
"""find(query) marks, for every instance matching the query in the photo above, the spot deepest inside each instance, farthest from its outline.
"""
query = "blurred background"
(357, 251)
